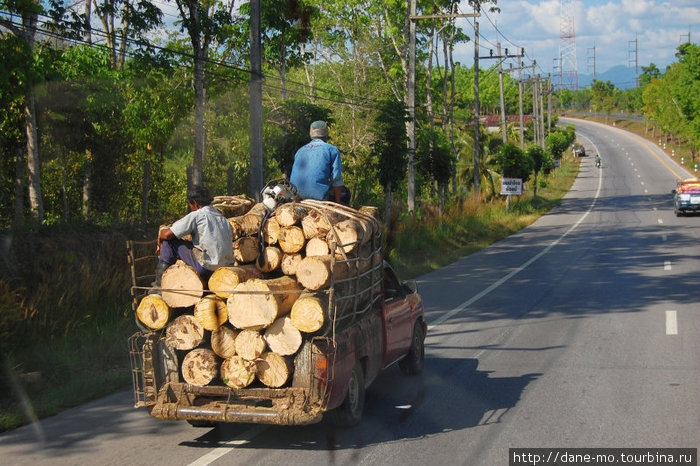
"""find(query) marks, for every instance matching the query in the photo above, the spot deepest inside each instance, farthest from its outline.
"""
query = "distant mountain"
(622, 77)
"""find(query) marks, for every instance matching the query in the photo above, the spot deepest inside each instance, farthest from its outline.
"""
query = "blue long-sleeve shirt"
(316, 168)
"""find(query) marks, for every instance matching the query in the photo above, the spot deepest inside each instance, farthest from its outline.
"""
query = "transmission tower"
(567, 46)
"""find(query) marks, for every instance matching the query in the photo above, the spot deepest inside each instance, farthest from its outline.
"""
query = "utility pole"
(686, 35)
(549, 104)
(477, 149)
(500, 59)
(255, 105)
(520, 69)
(411, 90)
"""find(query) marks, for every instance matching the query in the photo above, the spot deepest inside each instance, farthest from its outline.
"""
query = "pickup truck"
(331, 370)
(686, 196)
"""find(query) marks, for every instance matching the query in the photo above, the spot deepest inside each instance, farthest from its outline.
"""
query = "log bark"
(315, 224)
(309, 312)
(272, 259)
(233, 206)
(245, 249)
(184, 333)
(271, 231)
(257, 303)
(224, 279)
(289, 264)
(291, 239)
(314, 272)
(273, 369)
(316, 247)
(153, 312)
(250, 222)
(223, 341)
(200, 366)
(250, 344)
(237, 372)
(290, 214)
(181, 286)
(282, 337)
(211, 312)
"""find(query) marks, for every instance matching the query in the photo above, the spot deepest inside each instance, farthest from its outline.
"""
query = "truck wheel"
(413, 362)
(349, 413)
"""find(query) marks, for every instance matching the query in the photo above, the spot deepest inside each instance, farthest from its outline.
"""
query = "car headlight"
(684, 197)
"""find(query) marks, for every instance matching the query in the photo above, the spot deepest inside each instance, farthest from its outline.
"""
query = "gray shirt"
(211, 233)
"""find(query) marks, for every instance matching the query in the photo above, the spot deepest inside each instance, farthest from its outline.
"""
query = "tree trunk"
(314, 272)
(223, 341)
(184, 333)
(237, 372)
(290, 214)
(257, 303)
(282, 337)
(272, 259)
(291, 239)
(181, 286)
(290, 262)
(211, 312)
(250, 344)
(245, 249)
(200, 366)
(153, 312)
(273, 369)
(309, 312)
(225, 279)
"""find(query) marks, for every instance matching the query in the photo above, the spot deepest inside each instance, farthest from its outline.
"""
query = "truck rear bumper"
(286, 406)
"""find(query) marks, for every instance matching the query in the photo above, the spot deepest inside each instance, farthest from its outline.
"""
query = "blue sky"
(609, 25)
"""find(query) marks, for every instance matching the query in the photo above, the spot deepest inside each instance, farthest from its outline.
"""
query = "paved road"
(580, 331)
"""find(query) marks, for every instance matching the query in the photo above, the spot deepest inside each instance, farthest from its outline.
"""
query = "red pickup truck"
(331, 370)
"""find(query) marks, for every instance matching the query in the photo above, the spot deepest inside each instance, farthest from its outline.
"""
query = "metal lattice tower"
(568, 79)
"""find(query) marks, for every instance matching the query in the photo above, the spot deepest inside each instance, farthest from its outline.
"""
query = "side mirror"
(410, 285)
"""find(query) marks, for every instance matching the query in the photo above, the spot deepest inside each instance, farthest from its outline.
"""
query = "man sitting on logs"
(212, 239)
(317, 171)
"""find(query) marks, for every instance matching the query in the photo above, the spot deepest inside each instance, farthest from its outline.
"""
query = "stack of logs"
(250, 319)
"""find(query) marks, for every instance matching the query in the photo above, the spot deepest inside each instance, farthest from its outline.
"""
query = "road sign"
(512, 186)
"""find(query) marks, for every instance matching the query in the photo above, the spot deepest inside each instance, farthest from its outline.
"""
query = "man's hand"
(164, 233)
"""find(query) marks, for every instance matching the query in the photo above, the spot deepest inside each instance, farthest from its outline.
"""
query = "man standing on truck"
(317, 170)
(212, 238)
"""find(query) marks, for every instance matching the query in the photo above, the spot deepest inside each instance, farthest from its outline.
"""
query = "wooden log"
(211, 312)
(153, 312)
(224, 279)
(245, 249)
(316, 247)
(223, 341)
(181, 286)
(250, 222)
(289, 264)
(184, 333)
(350, 234)
(236, 229)
(271, 231)
(315, 224)
(314, 272)
(250, 344)
(200, 366)
(257, 303)
(233, 206)
(237, 372)
(272, 259)
(309, 312)
(291, 239)
(273, 369)
(290, 214)
(282, 337)
(370, 210)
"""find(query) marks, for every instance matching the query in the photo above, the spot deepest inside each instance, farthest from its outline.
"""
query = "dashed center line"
(671, 323)
(667, 265)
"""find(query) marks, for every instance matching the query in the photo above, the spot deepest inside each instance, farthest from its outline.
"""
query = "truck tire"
(413, 362)
(349, 413)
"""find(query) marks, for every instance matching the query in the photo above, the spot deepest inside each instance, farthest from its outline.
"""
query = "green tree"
(603, 97)
(542, 163)
(514, 163)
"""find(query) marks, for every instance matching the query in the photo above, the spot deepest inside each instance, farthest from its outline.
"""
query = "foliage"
(389, 146)
(514, 163)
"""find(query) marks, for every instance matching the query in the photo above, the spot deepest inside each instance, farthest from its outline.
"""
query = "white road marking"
(671, 323)
(226, 447)
(667, 265)
(660, 221)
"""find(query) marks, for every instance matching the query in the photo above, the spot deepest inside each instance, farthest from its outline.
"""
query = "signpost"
(509, 187)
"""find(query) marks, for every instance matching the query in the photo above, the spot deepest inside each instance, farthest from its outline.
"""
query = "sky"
(611, 26)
